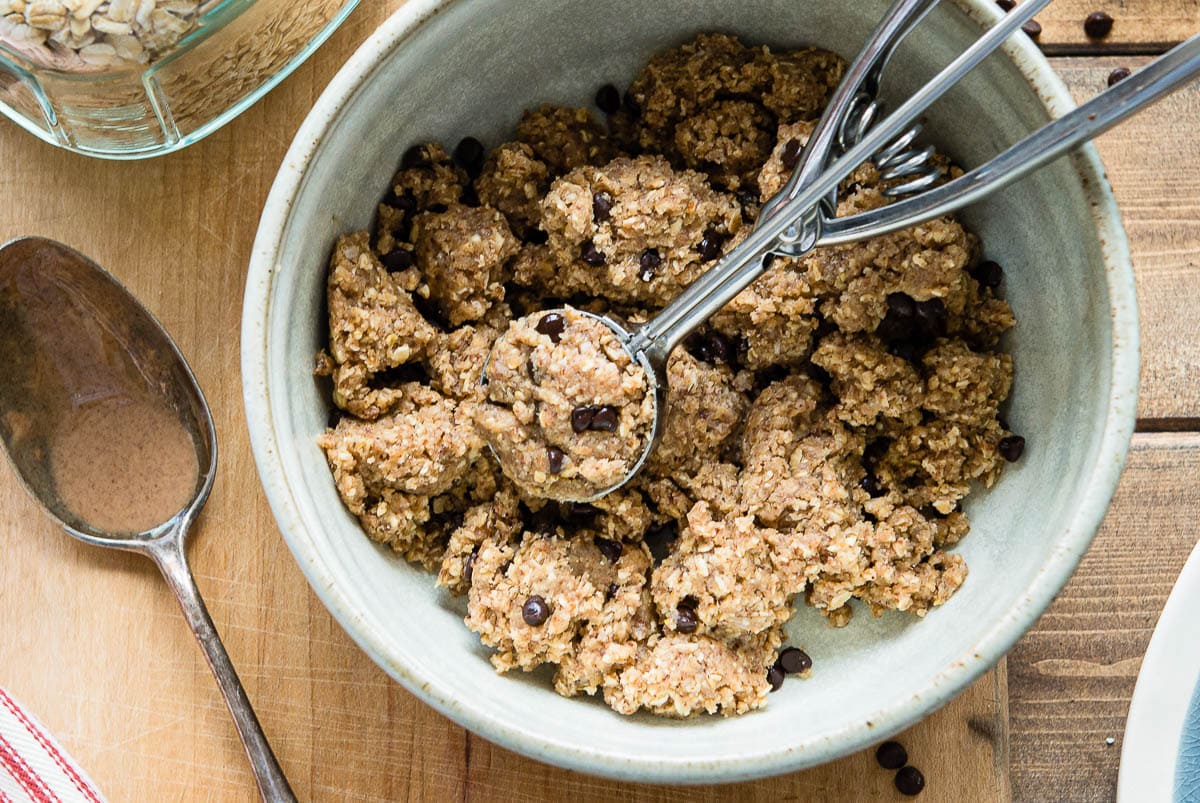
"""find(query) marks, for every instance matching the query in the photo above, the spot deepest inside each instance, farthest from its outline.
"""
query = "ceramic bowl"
(442, 70)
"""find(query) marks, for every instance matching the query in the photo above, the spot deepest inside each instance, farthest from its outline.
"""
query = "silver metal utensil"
(799, 218)
(105, 425)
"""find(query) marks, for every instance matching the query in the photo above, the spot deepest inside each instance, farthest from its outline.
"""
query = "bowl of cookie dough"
(881, 462)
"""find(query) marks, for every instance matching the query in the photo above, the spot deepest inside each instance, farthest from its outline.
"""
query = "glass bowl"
(129, 79)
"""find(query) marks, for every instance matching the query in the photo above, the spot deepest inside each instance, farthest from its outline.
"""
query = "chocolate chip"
(891, 755)
(775, 678)
(988, 274)
(608, 98)
(535, 611)
(870, 484)
(589, 254)
(685, 619)
(719, 347)
(469, 567)
(468, 155)
(1011, 448)
(631, 104)
(602, 204)
(911, 350)
(604, 419)
(581, 418)
(902, 305)
(1118, 75)
(406, 203)
(709, 247)
(794, 660)
(1033, 29)
(650, 260)
(791, 154)
(398, 259)
(613, 588)
(910, 781)
(1006, 5)
(557, 458)
(416, 156)
(899, 322)
(552, 326)
(1098, 25)
(438, 209)
(611, 550)
(660, 538)
(931, 317)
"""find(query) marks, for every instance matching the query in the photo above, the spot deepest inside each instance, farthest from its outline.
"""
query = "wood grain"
(1140, 26)
(1153, 163)
(95, 646)
(1071, 677)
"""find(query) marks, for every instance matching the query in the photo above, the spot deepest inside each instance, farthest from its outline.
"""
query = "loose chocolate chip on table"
(709, 248)
(891, 755)
(608, 98)
(581, 418)
(468, 155)
(685, 619)
(1118, 75)
(1006, 5)
(775, 678)
(988, 274)
(601, 206)
(1098, 25)
(794, 660)
(791, 154)
(398, 259)
(1011, 448)
(415, 157)
(556, 457)
(611, 550)
(552, 326)
(650, 260)
(1033, 28)
(604, 419)
(589, 254)
(910, 781)
(535, 611)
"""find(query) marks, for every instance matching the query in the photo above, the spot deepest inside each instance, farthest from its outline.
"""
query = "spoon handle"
(170, 556)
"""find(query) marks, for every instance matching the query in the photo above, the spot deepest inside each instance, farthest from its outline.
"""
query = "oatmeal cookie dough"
(823, 429)
(568, 411)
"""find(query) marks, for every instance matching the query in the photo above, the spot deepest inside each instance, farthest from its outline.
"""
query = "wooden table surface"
(94, 645)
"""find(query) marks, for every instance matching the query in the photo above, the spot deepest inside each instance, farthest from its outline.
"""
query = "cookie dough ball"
(728, 140)
(373, 326)
(514, 181)
(456, 363)
(801, 82)
(869, 382)
(564, 138)
(773, 319)
(633, 231)
(703, 411)
(610, 641)
(498, 520)
(679, 675)
(790, 141)
(461, 253)
(800, 461)
(568, 410)
(529, 601)
(720, 579)
(933, 464)
(966, 386)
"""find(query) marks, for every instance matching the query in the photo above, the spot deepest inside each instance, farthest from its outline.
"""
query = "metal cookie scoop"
(106, 427)
(800, 217)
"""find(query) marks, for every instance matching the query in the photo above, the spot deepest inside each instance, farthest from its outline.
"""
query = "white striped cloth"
(33, 766)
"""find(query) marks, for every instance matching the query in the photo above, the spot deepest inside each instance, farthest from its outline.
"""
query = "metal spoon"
(81, 358)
